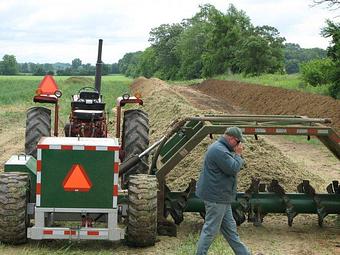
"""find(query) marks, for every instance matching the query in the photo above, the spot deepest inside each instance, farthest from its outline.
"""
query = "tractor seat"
(88, 114)
(93, 95)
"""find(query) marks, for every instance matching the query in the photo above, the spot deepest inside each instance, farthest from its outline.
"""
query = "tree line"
(9, 66)
(212, 43)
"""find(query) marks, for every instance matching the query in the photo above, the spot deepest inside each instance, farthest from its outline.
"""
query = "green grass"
(17, 92)
(286, 81)
(303, 140)
(189, 246)
(60, 247)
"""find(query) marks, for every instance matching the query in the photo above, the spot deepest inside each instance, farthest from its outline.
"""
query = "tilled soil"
(166, 103)
(264, 161)
(272, 100)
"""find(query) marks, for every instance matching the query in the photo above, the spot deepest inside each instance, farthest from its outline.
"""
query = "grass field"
(291, 81)
(287, 81)
(16, 94)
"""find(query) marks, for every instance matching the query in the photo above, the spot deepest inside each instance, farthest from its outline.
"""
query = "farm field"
(16, 96)
(267, 158)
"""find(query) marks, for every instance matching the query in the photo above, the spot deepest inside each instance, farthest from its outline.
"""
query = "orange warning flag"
(47, 86)
(77, 180)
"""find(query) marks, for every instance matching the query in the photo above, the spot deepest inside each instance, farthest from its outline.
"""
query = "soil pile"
(261, 99)
(80, 80)
(164, 105)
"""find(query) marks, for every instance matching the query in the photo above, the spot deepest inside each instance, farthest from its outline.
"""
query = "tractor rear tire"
(38, 124)
(14, 197)
(135, 139)
(142, 210)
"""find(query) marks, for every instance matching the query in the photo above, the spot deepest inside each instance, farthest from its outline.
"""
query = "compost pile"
(261, 99)
(164, 105)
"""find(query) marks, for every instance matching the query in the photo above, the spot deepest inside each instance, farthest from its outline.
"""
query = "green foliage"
(39, 71)
(76, 63)
(164, 40)
(262, 52)
(208, 44)
(66, 69)
(8, 65)
(147, 63)
(224, 39)
(318, 72)
(18, 91)
(286, 81)
(332, 30)
(295, 55)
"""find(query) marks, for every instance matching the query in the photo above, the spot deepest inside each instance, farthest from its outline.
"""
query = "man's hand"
(238, 149)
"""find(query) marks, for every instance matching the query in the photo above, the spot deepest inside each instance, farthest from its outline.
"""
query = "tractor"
(88, 186)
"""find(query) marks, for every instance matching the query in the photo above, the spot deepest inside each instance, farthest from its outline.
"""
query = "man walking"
(217, 188)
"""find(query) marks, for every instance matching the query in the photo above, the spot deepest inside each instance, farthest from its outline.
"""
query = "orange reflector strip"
(115, 190)
(47, 86)
(113, 148)
(116, 168)
(38, 165)
(38, 189)
(70, 232)
(48, 232)
(77, 180)
(93, 233)
(90, 148)
(43, 146)
(67, 147)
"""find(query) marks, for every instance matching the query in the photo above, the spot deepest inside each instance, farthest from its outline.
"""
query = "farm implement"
(85, 185)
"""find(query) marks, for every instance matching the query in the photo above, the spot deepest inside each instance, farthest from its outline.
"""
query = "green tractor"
(75, 178)
(88, 186)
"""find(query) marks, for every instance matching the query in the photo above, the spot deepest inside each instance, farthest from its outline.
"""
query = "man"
(217, 188)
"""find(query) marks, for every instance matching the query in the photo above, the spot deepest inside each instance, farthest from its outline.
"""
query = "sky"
(49, 31)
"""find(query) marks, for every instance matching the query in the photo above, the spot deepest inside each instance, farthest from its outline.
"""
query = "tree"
(76, 63)
(164, 41)
(332, 30)
(254, 55)
(318, 71)
(39, 71)
(128, 65)
(147, 63)
(295, 55)
(114, 68)
(9, 65)
(227, 33)
(331, 4)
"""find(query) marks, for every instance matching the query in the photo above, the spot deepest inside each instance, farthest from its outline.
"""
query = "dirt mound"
(80, 80)
(142, 85)
(271, 100)
(164, 104)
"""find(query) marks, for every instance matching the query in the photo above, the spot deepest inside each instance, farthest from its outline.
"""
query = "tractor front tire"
(142, 210)
(38, 124)
(135, 138)
(14, 197)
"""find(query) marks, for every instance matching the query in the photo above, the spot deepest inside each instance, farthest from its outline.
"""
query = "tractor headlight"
(58, 93)
(126, 96)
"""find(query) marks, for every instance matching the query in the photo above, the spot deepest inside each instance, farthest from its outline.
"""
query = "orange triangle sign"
(77, 180)
(47, 86)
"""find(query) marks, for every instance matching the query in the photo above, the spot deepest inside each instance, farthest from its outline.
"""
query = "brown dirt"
(271, 100)
(178, 101)
(266, 158)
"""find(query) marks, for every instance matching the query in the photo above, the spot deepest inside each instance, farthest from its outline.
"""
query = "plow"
(85, 185)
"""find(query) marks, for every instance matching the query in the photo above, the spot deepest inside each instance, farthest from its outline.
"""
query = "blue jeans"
(220, 217)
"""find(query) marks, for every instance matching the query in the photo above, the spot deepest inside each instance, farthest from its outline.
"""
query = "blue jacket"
(218, 180)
